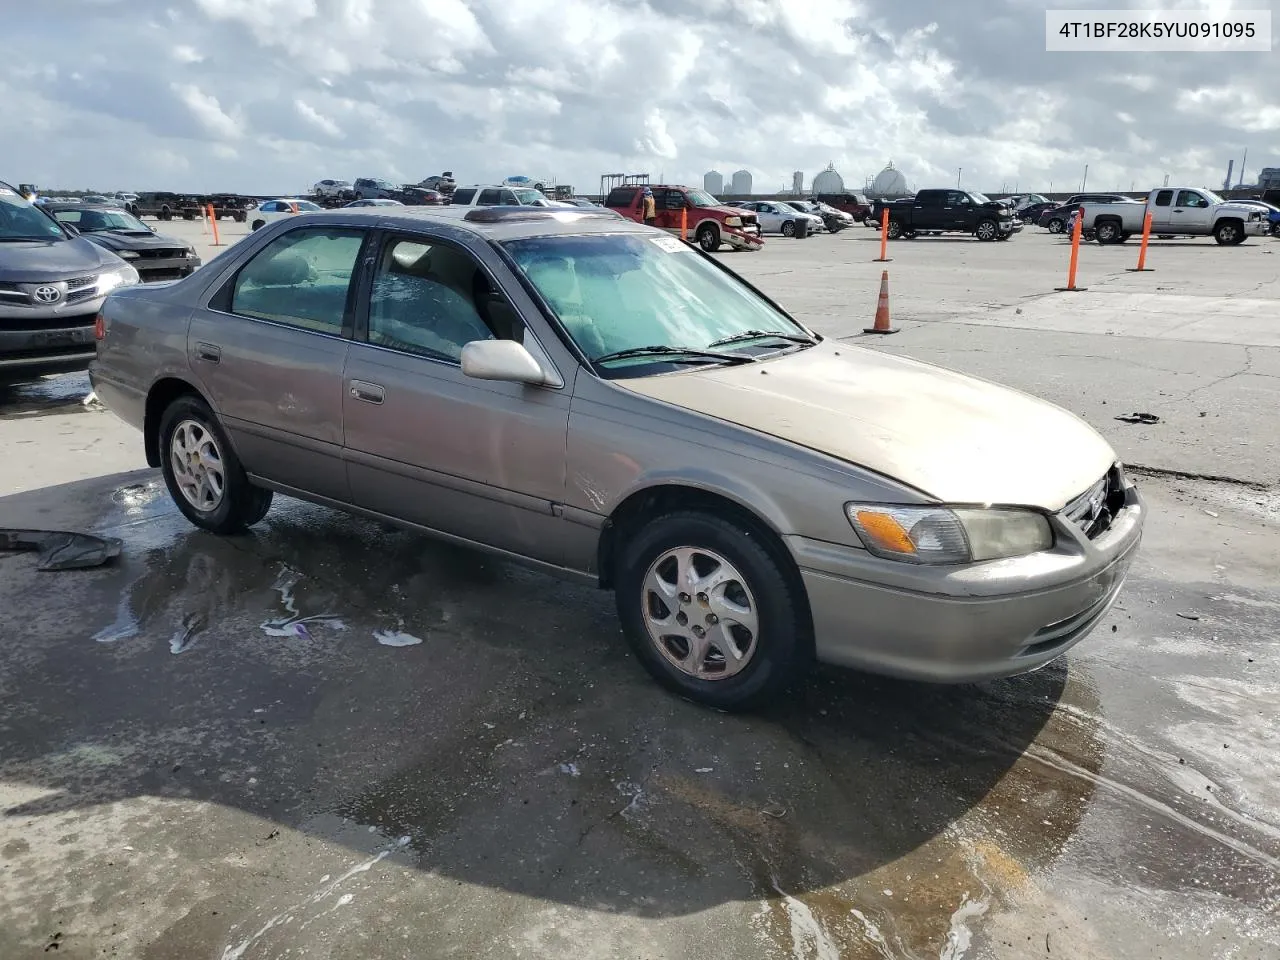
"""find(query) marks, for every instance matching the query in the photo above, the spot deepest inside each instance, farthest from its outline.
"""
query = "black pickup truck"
(949, 211)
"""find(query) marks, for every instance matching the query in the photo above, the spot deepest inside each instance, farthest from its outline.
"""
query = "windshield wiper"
(663, 350)
(761, 335)
(26, 239)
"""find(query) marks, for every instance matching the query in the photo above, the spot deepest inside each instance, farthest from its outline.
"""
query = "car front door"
(476, 459)
(269, 348)
(957, 211)
(770, 219)
(1193, 212)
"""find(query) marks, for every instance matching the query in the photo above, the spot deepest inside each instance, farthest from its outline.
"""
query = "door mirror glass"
(503, 360)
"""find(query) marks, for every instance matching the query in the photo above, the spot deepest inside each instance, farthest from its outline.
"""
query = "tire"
(166, 213)
(708, 237)
(257, 225)
(1108, 231)
(1229, 233)
(1057, 225)
(774, 654)
(239, 504)
(240, 217)
(1275, 230)
(870, 221)
(894, 230)
(986, 230)
(788, 228)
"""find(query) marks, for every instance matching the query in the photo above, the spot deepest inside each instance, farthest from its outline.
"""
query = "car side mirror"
(503, 360)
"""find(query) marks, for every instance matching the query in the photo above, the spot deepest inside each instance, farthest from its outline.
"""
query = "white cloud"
(207, 110)
(572, 88)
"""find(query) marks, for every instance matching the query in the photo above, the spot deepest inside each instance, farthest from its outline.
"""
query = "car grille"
(79, 282)
(84, 293)
(1094, 510)
(162, 253)
(163, 273)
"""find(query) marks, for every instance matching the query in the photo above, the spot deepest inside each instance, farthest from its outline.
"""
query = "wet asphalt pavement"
(327, 739)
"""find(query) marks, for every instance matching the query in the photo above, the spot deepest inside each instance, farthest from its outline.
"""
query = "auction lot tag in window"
(669, 244)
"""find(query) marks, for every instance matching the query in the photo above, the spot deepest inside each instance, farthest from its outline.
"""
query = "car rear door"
(928, 211)
(1162, 212)
(475, 459)
(269, 349)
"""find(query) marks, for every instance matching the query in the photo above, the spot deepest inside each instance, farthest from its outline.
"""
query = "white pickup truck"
(1176, 211)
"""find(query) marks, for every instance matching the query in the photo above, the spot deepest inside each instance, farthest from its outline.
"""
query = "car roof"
(491, 223)
(56, 205)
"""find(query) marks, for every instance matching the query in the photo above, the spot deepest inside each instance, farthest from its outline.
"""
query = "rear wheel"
(240, 217)
(166, 213)
(895, 230)
(708, 237)
(203, 474)
(710, 611)
(1056, 225)
(1108, 231)
(257, 225)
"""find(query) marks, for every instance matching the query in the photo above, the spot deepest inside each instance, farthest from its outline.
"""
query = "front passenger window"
(301, 278)
(434, 299)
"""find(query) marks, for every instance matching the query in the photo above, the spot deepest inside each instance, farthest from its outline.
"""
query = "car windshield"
(618, 292)
(700, 198)
(306, 206)
(22, 220)
(1213, 197)
(97, 221)
(530, 198)
(979, 198)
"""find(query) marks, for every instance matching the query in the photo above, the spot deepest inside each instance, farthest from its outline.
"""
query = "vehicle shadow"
(55, 394)
(518, 746)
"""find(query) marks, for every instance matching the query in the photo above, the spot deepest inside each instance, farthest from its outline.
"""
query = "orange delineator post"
(1142, 250)
(882, 308)
(1075, 255)
(684, 224)
(213, 222)
(884, 238)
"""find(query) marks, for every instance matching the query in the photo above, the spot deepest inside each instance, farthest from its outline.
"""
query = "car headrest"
(282, 271)
(555, 280)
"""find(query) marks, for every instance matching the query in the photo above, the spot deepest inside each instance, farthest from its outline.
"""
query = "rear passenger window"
(1164, 198)
(301, 278)
(490, 198)
(464, 195)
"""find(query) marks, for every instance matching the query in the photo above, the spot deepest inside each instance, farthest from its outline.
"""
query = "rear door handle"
(368, 392)
(209, 351)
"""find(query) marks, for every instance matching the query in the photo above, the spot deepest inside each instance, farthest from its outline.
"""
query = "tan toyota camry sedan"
(604, 401)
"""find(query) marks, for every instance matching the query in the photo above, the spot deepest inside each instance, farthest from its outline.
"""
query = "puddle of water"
(396, 638)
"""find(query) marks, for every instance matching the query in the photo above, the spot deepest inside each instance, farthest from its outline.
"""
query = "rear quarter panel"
(146, 341)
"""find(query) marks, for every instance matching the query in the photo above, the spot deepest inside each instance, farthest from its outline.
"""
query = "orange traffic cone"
(882, 308)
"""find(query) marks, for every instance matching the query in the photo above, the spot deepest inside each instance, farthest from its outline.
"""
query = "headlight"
(191, 251)
(733, 221)
(948, 534)
(128, 254)
(124, 277)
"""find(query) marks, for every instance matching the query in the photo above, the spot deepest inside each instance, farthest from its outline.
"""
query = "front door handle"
(368, 392)
(209, 351)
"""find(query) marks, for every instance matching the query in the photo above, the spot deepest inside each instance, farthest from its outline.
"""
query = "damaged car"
(604, 402)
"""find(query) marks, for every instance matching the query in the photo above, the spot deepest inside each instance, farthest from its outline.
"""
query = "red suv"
(707, 220)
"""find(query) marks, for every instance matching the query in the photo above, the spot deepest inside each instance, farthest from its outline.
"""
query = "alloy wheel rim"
(986, 230)
(700, 613)
(198, 468)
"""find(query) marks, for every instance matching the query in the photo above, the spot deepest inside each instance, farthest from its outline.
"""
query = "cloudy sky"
(265, 96)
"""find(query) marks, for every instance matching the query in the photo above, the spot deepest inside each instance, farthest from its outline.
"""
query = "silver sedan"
(607, 403)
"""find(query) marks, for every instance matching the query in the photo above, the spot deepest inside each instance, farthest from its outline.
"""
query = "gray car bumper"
(963, 625)
(47, 339)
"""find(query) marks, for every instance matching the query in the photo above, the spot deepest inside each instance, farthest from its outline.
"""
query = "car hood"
(953, 437)
(134, 241)
(50, 260)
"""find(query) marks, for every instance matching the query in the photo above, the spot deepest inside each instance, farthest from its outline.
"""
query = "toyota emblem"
(47, 294)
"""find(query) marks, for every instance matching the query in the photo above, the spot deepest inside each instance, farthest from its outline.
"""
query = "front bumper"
(1257, 228)
(164, 268)
(742, 238)
(968, 623)
(49, 338)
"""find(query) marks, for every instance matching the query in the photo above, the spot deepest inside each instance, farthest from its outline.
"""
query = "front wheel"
(1057, 226)
(708, 237)
(788, 228)
(203, 474)
(710, 612)
(1229, 233)
(257, 225)
(986, 230)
